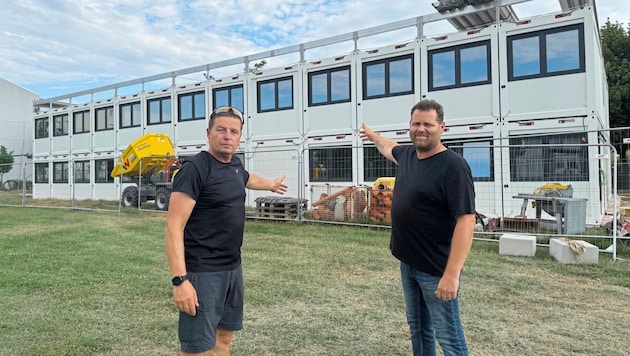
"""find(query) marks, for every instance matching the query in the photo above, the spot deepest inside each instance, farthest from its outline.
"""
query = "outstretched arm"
(384, 145)
(257, 182)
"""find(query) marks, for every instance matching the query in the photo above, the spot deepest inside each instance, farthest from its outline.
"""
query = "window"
(388, 77)
(159, 111)
(275, 94)
(81, 122)
(60, 125)
(229, 96)
(130, 115)
(41, 128)
(564, 160)
(104, 118)
(82, 172)
(41, 173)
(459, 66)
(479, 156)
(330, 164)
(60, 172)
(329, 86)
(102, 170)
(192, 106)
(546, 53)
(375, 165)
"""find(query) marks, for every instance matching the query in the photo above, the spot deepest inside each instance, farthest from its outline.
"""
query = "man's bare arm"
(181, 205)
(257, 182)
(383, 145)
(460, 248)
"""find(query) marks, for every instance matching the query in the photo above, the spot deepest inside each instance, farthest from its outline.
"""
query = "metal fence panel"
(586, 199)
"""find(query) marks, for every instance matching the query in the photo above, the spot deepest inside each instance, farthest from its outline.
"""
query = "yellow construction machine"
(150, 163)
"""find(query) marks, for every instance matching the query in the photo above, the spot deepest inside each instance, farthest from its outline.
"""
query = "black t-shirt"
(214, 232)
(429, 195)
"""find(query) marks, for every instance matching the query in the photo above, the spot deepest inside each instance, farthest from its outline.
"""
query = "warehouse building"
(16, 135)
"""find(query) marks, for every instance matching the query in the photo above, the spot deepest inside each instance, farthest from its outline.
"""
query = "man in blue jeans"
(433, 219)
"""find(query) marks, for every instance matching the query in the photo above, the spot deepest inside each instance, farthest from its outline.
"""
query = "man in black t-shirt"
(433, 219)
(204, 234)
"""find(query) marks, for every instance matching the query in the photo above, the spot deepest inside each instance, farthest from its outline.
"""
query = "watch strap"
(177, 280)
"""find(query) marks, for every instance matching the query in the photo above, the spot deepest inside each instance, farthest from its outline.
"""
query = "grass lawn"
(90, 283)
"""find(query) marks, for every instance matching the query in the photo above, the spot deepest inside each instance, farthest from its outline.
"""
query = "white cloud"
(55, 47)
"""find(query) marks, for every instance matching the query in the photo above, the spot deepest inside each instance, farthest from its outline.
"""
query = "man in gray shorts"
(204, 234)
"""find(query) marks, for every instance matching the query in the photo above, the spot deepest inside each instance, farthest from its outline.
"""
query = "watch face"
(178, 280)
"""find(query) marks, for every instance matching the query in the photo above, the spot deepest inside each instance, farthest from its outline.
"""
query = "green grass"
(89, 283)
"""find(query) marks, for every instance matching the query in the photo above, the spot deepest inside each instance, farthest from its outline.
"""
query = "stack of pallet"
(345, 204)
(381, 204)
(279, 207)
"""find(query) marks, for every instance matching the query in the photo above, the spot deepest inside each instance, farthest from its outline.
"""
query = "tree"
(616, 52)
(6, 162)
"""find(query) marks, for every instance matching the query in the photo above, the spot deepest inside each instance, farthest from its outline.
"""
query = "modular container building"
(514, 91)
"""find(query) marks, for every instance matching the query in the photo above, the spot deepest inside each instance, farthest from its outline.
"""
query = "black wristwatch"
(177, 280)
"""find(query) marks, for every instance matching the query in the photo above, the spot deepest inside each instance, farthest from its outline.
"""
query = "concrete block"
(517, 245)
(561, 250)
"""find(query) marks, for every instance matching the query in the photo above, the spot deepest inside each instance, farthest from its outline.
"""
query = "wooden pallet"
(279, 208)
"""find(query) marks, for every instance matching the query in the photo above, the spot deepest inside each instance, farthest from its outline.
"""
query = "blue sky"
(57, 47)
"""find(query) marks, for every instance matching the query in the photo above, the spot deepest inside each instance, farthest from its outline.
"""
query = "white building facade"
(16, 117)
(508, 88)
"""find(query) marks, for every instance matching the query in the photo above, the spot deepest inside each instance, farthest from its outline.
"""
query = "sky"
(58, 47)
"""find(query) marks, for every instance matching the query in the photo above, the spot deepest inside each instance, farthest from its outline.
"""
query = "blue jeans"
(430, 318)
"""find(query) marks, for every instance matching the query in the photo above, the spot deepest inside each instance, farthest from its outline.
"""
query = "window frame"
(81, 178)
(329, 86)
(39, 175)
(457, 63)
(63, 171)
(135, 115)
(384, 167)
(548, 163)
(459, 146)
(108, 119)
(109, 164)
(194, 99)
(43, 133)
(161, 112)
(81, 115)
(275, 82)
(230, 96)
(542, 52)
(64, 125)
(387, 76)
(332, 162)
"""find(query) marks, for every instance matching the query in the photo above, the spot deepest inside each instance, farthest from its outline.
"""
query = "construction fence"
(548, 191)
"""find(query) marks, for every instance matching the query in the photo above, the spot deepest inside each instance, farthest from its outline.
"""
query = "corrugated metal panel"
(475, 20)
(567, 5)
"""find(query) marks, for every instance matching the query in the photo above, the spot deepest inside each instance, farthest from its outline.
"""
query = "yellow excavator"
(150, 163)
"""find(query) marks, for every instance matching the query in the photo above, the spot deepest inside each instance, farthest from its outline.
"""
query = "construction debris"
(345, 204)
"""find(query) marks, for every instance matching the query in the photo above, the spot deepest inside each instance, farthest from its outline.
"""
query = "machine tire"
(130, 197)
(162, 199)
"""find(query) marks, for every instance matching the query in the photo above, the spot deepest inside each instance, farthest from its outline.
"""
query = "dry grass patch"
(86, 283)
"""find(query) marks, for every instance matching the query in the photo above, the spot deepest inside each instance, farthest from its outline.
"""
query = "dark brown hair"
(428, 105)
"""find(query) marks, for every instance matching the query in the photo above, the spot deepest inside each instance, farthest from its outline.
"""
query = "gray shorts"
(220, 297)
